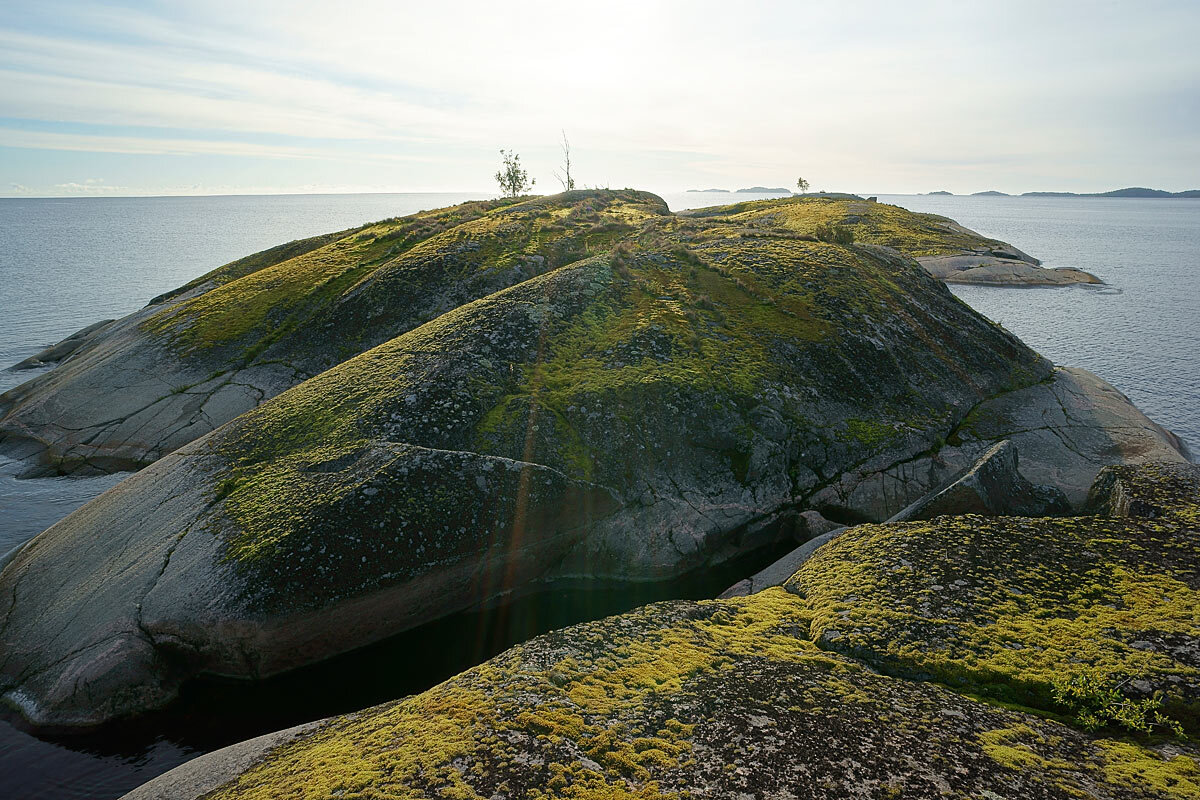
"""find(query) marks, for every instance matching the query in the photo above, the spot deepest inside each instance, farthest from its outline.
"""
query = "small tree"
(565, 178)
(513, 180)
(802, 185)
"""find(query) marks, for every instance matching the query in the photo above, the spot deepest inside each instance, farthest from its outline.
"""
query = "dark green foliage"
(1097, 701)
(513, 180)
(835, 234)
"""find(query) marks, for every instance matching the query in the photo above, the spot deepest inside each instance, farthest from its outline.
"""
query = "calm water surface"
(66, 263)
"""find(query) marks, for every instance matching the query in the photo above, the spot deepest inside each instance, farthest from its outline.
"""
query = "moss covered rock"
(949, 251)
(1010, 607)
(664, 404)
(722, 699)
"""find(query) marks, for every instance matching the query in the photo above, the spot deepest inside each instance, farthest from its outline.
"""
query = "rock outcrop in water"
(136, 389)
(825, 689)
(671, 401)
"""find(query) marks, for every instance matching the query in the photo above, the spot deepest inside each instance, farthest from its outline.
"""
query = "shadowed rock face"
(637, 413)
(777, 695)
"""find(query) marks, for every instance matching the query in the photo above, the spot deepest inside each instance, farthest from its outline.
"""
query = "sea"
(68, 262)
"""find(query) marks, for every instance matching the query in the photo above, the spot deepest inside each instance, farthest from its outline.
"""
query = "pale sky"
(217, 97)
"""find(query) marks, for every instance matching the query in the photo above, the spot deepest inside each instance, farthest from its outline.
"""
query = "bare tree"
(565, 177)
(802, 185)
(513, 180)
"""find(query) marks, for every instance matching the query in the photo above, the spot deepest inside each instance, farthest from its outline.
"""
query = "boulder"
(1066, 427)
(992, 270)
(777, 573)
(993, 486)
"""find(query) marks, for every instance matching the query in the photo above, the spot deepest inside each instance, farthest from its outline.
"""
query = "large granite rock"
(724, 699)
(988, 270)
(946, 249)
(1066, 428)
(663, 405)
(636, 414)
(138, 388)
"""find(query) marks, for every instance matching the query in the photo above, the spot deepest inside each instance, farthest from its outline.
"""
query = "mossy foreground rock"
(1007, 607)
(724, 699)
(777, 694)
(656, 407)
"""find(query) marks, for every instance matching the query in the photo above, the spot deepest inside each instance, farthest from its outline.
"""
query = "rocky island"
(355, 435)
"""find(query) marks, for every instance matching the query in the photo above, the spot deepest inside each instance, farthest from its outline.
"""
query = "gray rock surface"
(987, 269)
(634, 415)
(993, 486)
(199, 356)
(203, 774)
(66, 347)
(656, 407)
(1066, 428)
(777, 573)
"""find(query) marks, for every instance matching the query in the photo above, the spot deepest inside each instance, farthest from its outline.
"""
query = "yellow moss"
(1130, 765)
(1016, 748)
(389, 750)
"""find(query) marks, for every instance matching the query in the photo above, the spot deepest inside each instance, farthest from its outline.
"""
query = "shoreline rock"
(988, 270)
(227, 341)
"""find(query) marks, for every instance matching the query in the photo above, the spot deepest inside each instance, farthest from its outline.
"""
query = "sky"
(258, 96)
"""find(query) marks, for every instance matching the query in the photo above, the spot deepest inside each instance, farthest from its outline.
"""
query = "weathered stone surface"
(637, 414)
(777, 574)
(723, 699)
(222, 344)
(1066, 429)
(1003, 607)
(66, 347)
(993, 486)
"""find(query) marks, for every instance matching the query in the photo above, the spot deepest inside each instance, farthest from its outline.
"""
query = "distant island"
(765, 190)
(724, 191)
(1133, 191)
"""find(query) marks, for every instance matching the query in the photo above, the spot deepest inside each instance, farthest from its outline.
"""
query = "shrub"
(1097, 701)
(835, 234)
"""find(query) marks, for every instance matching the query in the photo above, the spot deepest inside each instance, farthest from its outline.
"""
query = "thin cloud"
(887, 97)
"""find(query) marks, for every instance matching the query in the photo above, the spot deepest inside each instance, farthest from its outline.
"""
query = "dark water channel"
(210, 714)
